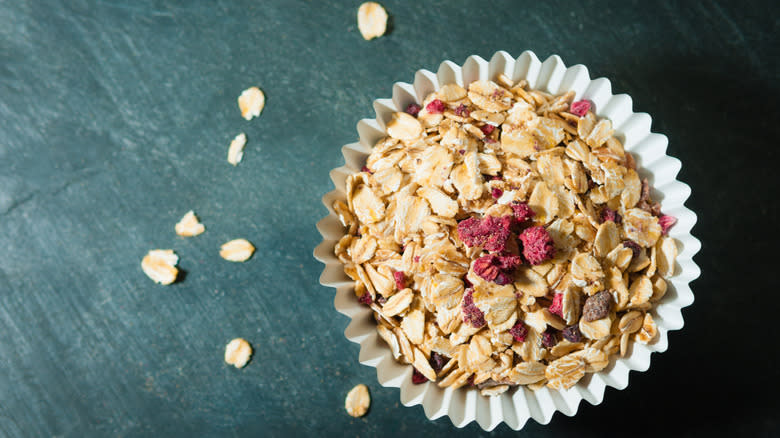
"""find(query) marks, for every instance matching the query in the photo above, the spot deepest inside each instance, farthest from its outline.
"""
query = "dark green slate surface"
(114, 121)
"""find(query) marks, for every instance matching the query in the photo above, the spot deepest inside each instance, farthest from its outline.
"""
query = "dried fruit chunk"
(666, 222)
(372, 20)
(491, 232)
(597, 306)
(537, 245)
(565, 372)
(404, 126)
(251, 102)
(471, 313)
(237, 352)
(572, 333)
(496, 268)
(580, 108)
(160, 266)
(189, 225)
(358, 400)
(237, 250)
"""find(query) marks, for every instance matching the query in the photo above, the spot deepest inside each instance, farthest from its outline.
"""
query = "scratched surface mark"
(115, 118)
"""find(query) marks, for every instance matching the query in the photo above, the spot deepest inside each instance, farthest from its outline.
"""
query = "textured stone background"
(114, 121)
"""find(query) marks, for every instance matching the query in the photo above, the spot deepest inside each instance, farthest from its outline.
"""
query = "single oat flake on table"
(160, 266)
(358, 400)
(372, 20)
(236, 149)
(251, 102)
(189, 225)
(502, 236)
(237, 250)
(237, 352)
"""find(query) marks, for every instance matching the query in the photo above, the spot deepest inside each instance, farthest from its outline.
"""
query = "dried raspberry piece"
(497, 268)
(666, 222)
(537, 245)
(438, 361)
(400, 279)
(462, 110)
(572, 333)
(556, 307)
(495, 178)
(607, 214)
(633, 246)
(366, 169)
(597, 306)
(417, 259)
(498, 232)
(470, 233)
(522, 211)
(487, 129)
(580, 107)
(413, 109)
(503, 278)
(549, 338)
(471, 313)
(519, 331)
(365, 299)
(418, 378)
(461, 151)
(436, 106)
(491, 232)
(496, 193)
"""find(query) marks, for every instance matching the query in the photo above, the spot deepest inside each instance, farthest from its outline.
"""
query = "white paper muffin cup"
(515, 407)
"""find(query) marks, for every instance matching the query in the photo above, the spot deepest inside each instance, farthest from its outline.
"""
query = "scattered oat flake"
(251, 102)
(189, 225)
(238, 250)
(372, 20)
(358, 400)
(160, 265)
(236, 149)
(237, 352)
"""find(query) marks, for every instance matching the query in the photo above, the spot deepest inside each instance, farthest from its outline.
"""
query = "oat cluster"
(502, 236)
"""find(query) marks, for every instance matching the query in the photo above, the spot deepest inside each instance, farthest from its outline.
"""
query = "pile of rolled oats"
(503, 237)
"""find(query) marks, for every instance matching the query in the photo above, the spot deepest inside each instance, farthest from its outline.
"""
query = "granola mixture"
(502, 236)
